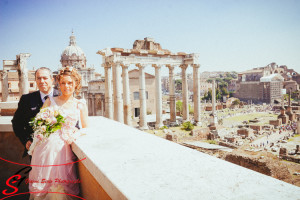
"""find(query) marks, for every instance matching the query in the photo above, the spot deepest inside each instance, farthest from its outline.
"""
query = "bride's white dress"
(49, 182)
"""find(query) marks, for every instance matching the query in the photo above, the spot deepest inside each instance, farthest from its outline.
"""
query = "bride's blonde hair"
(71, 71)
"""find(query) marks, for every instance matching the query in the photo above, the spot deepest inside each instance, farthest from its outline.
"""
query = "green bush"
(212, 142)
(188, 126)
(179, 106)
(163, 127)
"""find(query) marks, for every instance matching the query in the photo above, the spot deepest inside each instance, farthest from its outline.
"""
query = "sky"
(229, 35)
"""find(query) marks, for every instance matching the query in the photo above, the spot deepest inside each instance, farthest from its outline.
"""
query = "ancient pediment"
(146, 44)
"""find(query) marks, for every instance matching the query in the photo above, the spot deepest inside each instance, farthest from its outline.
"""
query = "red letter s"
(7, 183)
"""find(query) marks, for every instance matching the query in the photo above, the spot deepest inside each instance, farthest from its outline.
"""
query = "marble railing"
(8, 108)
(121, 162)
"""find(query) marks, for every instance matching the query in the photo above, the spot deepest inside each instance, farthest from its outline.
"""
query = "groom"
(30, 104)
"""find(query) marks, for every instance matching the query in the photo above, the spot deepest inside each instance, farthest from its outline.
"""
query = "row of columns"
(93, 99)
(122, 108)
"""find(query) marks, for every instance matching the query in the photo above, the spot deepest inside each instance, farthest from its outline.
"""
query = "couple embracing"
(51, 147)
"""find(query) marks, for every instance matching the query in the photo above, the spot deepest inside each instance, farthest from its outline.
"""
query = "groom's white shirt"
(43, 95)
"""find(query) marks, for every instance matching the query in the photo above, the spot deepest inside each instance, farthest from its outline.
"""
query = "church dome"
(70, 50)
(73, 55)
(73, 48)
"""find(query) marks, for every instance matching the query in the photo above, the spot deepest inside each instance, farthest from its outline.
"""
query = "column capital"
(107, 65)
(156, 66)
(171, 67)
(140, 66)
(124, 66)
(183, 66)
(114, 64)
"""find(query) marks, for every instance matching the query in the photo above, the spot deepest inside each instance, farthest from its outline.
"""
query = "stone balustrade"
(8, 108)
(126, 163)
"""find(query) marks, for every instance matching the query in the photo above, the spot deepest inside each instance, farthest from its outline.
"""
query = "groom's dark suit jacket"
(29, 105)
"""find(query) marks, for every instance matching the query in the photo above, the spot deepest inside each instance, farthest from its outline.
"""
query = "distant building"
(232, 86)
(13, 85)
(96, 94)
(134, 92)
(96, 97)
(75, 57)
(265, 84)
(259, 86)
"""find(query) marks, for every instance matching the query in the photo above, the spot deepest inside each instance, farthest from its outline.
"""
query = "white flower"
(48, 120)
(45, 115)
(53, 120)
(43, 128)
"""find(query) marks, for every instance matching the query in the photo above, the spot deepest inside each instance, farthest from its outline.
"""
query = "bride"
(54, 182)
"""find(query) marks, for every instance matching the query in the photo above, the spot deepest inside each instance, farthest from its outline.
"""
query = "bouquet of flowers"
(47, 121)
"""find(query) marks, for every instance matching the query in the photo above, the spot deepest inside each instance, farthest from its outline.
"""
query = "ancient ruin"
(146, 53)
(20, 65)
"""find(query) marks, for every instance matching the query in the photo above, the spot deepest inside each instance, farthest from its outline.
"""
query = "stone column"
(126, 96)
(102, 106)
(4, 79)
(213, 114)
(118, 101)
(23, 73)
(90, 104)
(213, 97)
(298, 124)
(94, 104)
(143, 106)
(108, 92)
(158, 97)
(196, 96)
(185, 100)
(172, 95)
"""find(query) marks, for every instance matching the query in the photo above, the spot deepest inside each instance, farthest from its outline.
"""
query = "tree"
(210, 80)
(207, 95)
(179, 106)
(224, 91)
(178, 84)
(228, 79)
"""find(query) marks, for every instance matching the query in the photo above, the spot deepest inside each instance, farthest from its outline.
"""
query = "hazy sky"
(228, 34)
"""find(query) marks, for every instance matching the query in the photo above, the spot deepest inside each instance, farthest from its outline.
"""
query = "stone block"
(277, 122)
(282, 152)
(200, 133)
(219, 107)
(208, 108)
(245, 132)
(255, 127)
(117, 49)
(230, 139)
(172, 137)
